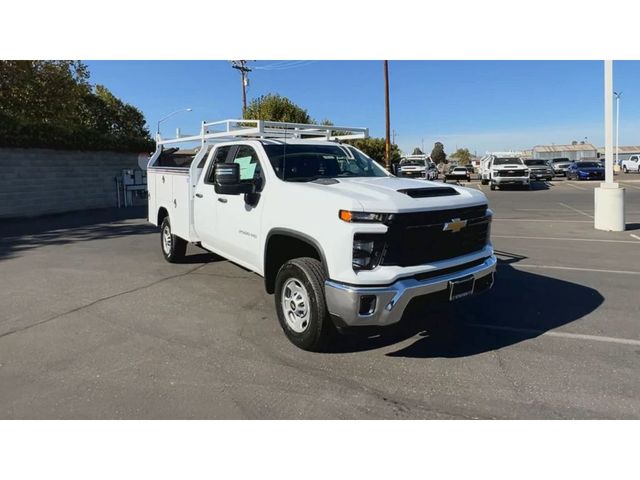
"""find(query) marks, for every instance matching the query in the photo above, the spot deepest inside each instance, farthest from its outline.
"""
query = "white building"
(579, 151)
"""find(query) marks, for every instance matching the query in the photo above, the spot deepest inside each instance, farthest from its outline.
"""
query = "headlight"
(367, 251)
(348, 216)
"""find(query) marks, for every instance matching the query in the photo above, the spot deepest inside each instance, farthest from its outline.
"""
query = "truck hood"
(384, 194)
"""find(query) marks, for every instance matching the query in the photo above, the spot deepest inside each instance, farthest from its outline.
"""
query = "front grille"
(418, 238)
(510, 173)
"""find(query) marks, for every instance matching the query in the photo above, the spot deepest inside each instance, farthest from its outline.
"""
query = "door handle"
(222, 200)
(199, 195)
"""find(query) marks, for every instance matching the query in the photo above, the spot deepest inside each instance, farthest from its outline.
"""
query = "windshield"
(507, 161)
(589, 165)
(305, 163)
(536, 162)
(405, 161)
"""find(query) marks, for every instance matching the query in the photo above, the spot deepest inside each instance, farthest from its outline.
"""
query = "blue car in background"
(585, 171)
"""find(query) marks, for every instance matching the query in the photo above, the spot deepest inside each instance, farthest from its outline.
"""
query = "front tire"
(301, 306)
(173, 247)
(492, 186)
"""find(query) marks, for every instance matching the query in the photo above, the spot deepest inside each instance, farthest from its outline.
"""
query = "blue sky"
(480, 105)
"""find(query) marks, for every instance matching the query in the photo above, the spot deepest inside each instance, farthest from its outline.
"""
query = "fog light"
(367, 304)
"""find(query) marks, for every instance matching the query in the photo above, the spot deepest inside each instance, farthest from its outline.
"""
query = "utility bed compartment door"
(180, 204)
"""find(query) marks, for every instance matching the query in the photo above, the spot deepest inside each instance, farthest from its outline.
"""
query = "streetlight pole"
(169, 116)
(618, 95)
(608, 197)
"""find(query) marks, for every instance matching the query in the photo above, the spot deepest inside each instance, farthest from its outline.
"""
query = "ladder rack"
(233, 129)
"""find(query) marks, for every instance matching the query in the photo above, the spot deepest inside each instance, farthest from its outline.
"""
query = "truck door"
(205, 201)
(239, 216)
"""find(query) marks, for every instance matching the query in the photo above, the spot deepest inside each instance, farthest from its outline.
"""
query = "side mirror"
(227, 179)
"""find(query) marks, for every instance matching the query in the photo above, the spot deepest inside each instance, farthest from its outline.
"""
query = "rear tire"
(173, 247)
(484, 181)
(626, 170)
(301, 305)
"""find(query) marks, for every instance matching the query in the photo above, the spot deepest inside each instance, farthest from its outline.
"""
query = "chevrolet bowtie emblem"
(455, 225)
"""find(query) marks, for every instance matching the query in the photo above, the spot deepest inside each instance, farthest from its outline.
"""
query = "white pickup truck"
(339, 241)
(501, 171)
(632, 164)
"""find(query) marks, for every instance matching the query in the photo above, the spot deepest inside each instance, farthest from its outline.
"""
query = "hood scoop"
(430, 192)
(325, 181)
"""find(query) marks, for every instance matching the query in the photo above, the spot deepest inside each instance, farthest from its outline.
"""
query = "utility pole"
(241, 66)
(387, 142)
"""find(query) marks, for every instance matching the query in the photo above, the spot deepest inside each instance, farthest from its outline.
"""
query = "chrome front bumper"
(345, 302)
(507, 180)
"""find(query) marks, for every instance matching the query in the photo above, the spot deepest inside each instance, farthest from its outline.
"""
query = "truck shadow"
(521, 306)
(20, 235)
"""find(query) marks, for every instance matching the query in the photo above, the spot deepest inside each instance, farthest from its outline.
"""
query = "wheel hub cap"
(295, 305)
(166, 240)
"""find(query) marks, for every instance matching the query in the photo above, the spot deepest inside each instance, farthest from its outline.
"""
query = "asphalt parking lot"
(95, 324)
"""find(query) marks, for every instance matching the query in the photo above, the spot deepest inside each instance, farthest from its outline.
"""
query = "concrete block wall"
(39, 181)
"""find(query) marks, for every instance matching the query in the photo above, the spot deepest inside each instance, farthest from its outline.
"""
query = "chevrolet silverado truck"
(539, 169)
(339, 241)
(508, 171)
(417, 166)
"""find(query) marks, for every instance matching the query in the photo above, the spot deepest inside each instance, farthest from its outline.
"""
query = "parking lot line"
(558, 267)
(625, 184)
(574, 336)
(634, 236)
(539, 220)
(602, 240)
(575, 210)
(571, 185)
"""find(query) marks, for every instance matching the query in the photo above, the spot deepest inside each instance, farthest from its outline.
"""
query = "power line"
(285, 65)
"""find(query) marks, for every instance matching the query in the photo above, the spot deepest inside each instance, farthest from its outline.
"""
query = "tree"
(51, 104)
(276, 108)
(375, 147)
(437, 154)
(463, 155)
(417, 151)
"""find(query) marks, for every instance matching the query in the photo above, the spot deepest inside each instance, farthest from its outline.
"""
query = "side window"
(220, 155)
(635, 159)
(250, 170)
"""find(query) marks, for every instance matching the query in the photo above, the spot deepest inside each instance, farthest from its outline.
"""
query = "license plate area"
(461, 287)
